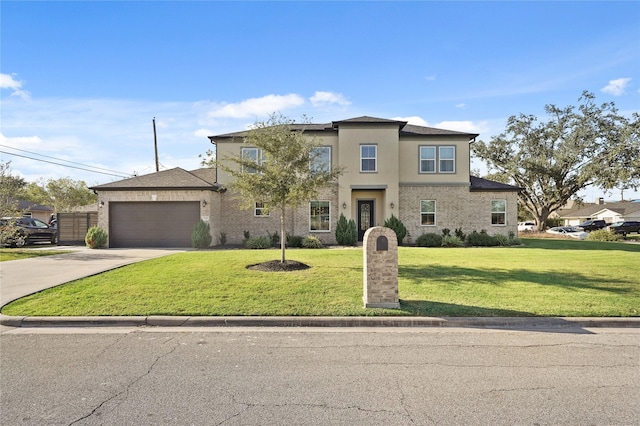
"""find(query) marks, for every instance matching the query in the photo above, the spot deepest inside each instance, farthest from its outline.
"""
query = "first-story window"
(261, 209)
(428, 212)
(319, 219)
(499, 212)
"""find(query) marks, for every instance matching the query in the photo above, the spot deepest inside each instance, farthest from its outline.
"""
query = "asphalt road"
(328, 376)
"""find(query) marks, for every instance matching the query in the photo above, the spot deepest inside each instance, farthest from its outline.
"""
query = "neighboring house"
(610, 212)
(419, 174)
(36, 211)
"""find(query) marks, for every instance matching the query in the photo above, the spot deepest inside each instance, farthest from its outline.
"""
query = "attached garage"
(152, 224)
(159, 209)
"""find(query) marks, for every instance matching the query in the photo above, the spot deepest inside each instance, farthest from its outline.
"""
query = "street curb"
(275, 321)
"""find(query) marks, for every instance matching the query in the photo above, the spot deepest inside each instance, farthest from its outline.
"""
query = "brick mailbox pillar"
(380, 251)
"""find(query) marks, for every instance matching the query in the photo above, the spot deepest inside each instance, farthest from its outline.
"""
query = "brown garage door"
(152, 224)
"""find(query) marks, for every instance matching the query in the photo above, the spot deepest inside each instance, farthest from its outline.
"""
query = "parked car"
(625, 227)
(569, 231)
(526, 226)
(593, 225)
(28, 230)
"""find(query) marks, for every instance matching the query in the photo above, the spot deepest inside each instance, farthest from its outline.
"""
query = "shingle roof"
(623, 208)
(405, 128)
(480, 184)
(176, 178)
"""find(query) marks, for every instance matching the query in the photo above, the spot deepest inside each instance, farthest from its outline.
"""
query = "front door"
(365, 217)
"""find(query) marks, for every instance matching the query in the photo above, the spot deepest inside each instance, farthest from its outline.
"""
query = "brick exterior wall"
(456, 207)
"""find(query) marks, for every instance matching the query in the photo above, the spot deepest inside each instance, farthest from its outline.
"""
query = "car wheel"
(54, 239)
(20, 242)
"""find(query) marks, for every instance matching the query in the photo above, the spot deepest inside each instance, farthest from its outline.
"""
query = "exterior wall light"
(344, 205)
(204, 203)
(392, 205)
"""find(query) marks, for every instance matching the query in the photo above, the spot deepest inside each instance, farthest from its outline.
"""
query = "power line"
(60, 159)
(66, 165)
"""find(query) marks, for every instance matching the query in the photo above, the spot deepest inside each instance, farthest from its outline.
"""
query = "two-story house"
(419, 174)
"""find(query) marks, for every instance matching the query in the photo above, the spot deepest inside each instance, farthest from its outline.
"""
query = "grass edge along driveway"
(541, 278)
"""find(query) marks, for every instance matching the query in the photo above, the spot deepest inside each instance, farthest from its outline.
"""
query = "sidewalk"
(20, 278)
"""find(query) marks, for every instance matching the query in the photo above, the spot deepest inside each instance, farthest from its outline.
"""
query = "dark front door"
(365, 217)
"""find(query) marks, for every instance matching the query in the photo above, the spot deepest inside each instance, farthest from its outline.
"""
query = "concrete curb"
(264, 321)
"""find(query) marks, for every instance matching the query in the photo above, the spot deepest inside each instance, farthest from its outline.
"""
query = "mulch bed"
(277, 266)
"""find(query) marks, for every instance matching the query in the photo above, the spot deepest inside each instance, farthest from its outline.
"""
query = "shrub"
(458, 233)
(312, 242)
(201, 235)
(397, 226)
(451, 241)
(429, 240)
(346, 232)
(502, 240)
(446, 232)
(258, 243)
(223, 238)
(294, 241)
(603, 235)
(481, 239)
(274, 238)
(96, 237)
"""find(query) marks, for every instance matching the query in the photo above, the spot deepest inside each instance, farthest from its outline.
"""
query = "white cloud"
(462, 106)
(415, 120)
(430, 77)
(202, 133)
(255, 107)
(9, 82)
(464, 126)
(324, 98)
(616, 87)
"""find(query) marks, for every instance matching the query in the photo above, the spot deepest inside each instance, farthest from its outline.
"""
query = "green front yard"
(543, 278)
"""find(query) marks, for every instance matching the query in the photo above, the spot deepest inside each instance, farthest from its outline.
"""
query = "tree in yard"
(575, 148)
(62, 194)
(10, 186)
(288, 173)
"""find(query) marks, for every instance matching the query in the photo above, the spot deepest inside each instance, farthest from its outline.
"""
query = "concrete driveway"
(19, 278)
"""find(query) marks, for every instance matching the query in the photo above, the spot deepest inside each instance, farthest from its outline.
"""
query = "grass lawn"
(543, 278)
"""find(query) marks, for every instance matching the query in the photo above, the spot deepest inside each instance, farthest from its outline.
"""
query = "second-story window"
(368, 158)
(427, 159)
(321, 159)
(254, 155)
(447, 159)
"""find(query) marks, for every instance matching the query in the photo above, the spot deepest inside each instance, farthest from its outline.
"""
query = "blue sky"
(82, 81)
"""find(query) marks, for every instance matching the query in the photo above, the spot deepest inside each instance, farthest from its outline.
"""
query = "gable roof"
(622, 208)
(480, 184)
(176, 178)
(405, 129)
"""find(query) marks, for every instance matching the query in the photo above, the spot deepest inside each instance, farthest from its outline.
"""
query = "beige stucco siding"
(410, 160)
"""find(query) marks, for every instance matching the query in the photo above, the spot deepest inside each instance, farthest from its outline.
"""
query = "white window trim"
(256, 208)
(375, 158)
(258, 154)
(435, 159)
(446, 159)
(503, 212)
(320, 230)
(435, 213)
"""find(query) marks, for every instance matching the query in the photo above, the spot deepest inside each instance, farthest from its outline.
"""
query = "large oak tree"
(574, 148)
(288, 173)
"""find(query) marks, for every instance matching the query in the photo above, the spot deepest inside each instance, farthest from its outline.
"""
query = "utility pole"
(155, 144)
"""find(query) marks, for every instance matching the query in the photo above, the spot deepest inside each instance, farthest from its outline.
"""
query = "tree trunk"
(283, 238)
